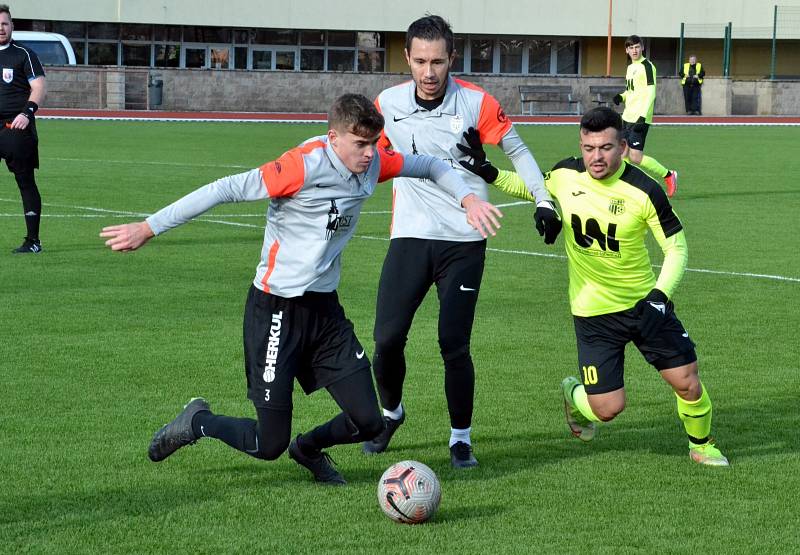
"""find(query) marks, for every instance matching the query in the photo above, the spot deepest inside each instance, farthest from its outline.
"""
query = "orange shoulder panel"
(493, 122)
(391, 164)
(285, 176)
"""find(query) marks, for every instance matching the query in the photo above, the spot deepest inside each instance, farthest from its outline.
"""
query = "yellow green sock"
(653, 168)
(581, 400)
(696, 415)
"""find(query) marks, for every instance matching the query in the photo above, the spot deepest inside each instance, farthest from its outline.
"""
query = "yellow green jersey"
(640, 91)
(605, 225)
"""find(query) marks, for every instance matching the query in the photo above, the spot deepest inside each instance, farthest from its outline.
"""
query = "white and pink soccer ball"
(409, 492)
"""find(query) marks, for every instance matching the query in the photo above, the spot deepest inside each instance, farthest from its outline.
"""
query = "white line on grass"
(151, 163)
(106, 212)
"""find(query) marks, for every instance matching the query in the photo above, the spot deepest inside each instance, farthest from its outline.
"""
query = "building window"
(167, 33)
(220, 57)
(312, 38)
(274, 36)
(240, 57)
(511, 55)
(262, 59)
(341, 60)
(102, 54)
(135, 54)
(370, 61)
(341, 38)
(206, 34)
(284, 60)
(167, 55)
(108, 31)
(195, 57)
(312, 60)
(481, 55)
(131, 31)
(566, 57)
(539, 56)
(459, 44)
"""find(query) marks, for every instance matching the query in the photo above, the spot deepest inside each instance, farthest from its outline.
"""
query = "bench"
(548, 99)
(603, 95)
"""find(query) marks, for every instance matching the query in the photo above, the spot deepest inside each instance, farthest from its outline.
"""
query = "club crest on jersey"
(456, 124)
(8, 74)
(617, 206)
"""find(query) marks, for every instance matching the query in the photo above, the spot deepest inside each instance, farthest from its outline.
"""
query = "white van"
(52, 48)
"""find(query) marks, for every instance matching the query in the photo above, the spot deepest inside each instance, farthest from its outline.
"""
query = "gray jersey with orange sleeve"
(423, 210)
(315, 204)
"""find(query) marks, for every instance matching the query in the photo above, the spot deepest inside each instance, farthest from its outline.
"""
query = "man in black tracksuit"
(22, 89)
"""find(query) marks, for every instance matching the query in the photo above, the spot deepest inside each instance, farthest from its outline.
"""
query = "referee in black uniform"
(22, 89)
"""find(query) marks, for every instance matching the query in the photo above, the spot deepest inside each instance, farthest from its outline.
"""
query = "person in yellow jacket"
(639, 98)
(692, 75)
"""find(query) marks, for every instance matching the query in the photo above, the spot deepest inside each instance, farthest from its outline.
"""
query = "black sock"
(336, 431)
(239, 433)
(31, 203)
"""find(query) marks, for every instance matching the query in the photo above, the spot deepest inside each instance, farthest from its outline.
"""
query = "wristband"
(30, 109)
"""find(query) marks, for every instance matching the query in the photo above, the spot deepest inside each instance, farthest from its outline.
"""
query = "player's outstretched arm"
(482, 215)
(127, 237)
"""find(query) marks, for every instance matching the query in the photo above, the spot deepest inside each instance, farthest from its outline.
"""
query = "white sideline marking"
(104, 212)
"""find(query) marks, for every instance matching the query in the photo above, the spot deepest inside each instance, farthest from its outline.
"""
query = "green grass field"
(99, 349)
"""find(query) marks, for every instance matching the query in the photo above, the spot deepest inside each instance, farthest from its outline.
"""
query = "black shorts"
(601, 347)
(635, 134)
(19, 148)
(307, 338)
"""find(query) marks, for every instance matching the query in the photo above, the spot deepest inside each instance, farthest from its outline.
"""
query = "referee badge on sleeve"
(8, 74)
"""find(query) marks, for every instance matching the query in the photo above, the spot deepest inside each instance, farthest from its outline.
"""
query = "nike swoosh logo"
(400, 119)
(325, 186)
(202, 430)
(578, 193)
(462, 288)
(684, 334)
(254, 450)
(360, 355)
(637, 143)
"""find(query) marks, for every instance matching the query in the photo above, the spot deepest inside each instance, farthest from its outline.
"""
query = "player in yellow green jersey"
(639, 98)
(608, 207)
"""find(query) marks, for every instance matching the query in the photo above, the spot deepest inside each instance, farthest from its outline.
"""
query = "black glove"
(652, 312)
(617, 99)
(480, 166)
(548, 224)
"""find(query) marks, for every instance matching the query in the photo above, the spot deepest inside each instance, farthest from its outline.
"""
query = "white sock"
(460, 435)
(395, 414)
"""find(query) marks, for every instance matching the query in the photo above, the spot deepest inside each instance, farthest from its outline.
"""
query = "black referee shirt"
(19, 65)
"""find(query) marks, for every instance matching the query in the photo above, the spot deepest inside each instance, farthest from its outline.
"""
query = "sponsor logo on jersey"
(617, 206)
(501, 115)
(8, 74)
(273, 342)
(456, 124)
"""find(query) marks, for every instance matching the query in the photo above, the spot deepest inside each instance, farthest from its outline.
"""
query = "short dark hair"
(354, 113)
(5, 9)
(633, 39)
(430, 28)
(600, 119)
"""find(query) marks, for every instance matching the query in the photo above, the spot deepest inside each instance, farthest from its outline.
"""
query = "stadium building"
(249, 55)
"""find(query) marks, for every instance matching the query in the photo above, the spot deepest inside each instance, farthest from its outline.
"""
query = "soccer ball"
(409, 492)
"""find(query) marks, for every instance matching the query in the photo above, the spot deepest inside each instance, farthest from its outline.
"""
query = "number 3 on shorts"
(589, 375)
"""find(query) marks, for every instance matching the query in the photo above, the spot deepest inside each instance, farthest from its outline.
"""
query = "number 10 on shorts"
(589, 375)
